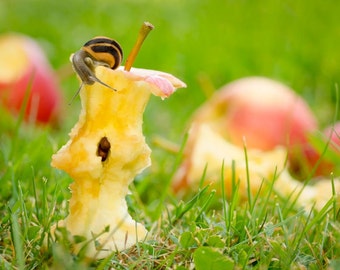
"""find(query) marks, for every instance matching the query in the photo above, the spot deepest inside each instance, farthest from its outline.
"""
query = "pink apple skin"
(24, 70)
(259, 112)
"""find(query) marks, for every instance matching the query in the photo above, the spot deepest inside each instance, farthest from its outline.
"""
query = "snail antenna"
(76, 94)
(94, 78)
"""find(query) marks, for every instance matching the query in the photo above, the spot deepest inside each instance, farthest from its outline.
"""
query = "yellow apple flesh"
(106, 150)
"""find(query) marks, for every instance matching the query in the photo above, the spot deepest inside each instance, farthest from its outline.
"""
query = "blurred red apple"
(260, 112)
(256, 112)
(25, 74)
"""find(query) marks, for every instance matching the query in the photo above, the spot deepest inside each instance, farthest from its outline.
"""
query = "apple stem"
(143, 33)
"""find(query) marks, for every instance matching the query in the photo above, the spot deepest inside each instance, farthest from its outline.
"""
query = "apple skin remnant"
(106, 150)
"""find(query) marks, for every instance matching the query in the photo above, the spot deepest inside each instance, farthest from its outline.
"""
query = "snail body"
(99, 51)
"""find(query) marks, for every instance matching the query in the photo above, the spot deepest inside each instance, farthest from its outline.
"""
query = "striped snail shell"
(104, 50)
(99, 51)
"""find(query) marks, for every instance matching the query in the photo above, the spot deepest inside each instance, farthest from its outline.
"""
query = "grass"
(207, 44)
(261, 234)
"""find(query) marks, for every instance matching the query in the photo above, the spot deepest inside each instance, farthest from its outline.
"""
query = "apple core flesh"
(106, 150)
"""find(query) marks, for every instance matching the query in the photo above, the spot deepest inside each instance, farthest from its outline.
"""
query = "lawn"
(206, 44)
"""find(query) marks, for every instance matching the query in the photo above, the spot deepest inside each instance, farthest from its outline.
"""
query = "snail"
(99, 51)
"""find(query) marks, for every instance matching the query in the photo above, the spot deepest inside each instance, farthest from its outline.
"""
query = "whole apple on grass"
(27, 81)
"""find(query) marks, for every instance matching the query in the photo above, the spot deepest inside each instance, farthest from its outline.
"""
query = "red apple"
(260, 112)
(25, 74)
(256, 112)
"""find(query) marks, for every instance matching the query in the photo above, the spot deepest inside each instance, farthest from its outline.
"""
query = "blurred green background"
(206, 43)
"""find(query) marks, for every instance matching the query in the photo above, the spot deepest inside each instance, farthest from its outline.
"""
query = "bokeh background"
(206, 43)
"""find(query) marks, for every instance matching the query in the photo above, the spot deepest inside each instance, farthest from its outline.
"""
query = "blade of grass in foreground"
(17, 236)
(224, 200)
(183, 208)
(249, 199)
